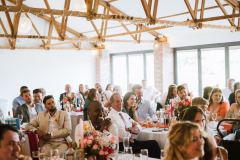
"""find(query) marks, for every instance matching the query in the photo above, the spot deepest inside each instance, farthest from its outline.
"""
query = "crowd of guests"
(122, 115)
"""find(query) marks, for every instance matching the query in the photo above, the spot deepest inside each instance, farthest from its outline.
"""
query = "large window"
(131, 68)
(234, 62)
(119, 69)
(136, 68)
(213, 67)
(207, 65)
(187, 68)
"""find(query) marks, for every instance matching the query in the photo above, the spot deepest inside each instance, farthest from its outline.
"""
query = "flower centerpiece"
(181, 105)
(97, 144)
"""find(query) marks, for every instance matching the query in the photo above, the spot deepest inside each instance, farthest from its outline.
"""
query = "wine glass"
(126, 142)
(20, 117)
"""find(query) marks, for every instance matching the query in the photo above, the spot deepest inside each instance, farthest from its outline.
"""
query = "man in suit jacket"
(28, 110)
(52, 126)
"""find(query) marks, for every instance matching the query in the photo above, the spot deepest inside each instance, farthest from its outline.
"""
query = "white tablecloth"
(148, 134)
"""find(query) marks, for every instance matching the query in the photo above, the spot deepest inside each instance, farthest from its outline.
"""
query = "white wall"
(48, 69)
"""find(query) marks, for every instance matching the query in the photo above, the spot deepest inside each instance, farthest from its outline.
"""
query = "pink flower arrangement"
(98, 144)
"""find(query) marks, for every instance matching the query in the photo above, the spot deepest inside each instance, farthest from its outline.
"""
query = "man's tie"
(125, 123)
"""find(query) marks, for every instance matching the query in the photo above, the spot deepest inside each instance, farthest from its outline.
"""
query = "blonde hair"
(179, 135)
(236, 92)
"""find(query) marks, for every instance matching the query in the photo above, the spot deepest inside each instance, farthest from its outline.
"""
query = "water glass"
(126, 142)
(144, 154)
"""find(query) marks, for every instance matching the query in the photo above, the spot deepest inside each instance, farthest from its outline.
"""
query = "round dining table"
(158, 134)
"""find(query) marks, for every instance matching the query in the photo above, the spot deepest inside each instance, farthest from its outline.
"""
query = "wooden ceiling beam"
(196, 9)
(100, 16)
(46, 18)
(65, 18)
(95, 6)
(117, 11)
(16, 23)
(202, 9)
(233, 3)
(149, 5)
(106, 24)
(95, 27)
(155, 9)
(54, 21)
(50, 29)
(5, 32)
(35, 29)
(190, 9)
(8, 18)
(145, 7)
(224, 12)
(128, 31)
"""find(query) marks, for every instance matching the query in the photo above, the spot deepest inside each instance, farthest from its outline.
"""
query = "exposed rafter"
(105, 11)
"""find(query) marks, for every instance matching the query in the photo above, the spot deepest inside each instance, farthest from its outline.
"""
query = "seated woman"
(185, 142)
(234, 111)
(92, 96)
(196, 115)
(217, 105)
(97, 117)
(172, 94)
(129, 105)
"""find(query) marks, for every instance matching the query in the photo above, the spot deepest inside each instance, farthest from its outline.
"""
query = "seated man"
(28, 110)
(9, 144)
(126, 126)
(144, 109)
(52, 126)
(37, 100)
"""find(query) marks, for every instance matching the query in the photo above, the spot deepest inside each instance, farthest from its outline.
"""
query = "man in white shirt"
(127, 127)
(227, 91)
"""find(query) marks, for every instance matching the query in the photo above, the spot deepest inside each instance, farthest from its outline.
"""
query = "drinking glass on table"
(144, 154)
(126, 142)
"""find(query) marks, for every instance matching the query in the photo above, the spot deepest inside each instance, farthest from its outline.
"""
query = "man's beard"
(52, 109)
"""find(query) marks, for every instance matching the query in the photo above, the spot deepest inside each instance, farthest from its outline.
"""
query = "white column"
(163, 66)
(103, 67)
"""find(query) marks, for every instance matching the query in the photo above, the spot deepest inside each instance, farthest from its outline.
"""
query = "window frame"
(127, 54)
(199, 48)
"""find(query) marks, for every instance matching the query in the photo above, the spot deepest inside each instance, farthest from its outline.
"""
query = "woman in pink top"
(217, 107)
